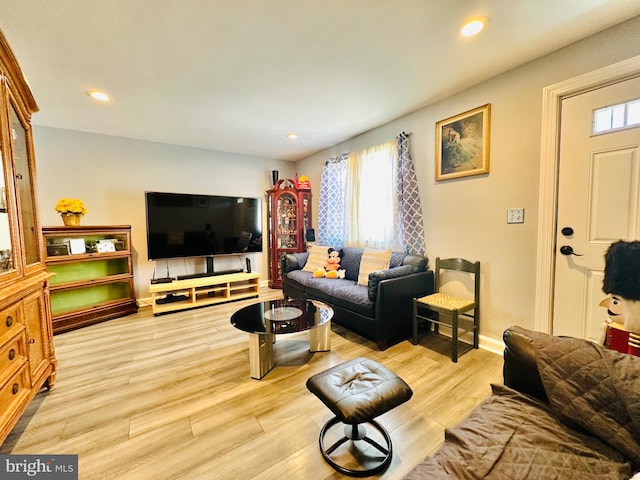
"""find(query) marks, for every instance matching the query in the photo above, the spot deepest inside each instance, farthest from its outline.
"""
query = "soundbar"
(208, 274)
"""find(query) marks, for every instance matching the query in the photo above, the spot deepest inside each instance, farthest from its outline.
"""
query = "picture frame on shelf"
(463, 144)
(105, 247)
(77, 246)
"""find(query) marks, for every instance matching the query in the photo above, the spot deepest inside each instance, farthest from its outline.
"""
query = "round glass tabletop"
(281, 316)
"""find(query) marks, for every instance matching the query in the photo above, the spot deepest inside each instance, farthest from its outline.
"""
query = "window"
(371, 185)
(371, 199)
(616, 117)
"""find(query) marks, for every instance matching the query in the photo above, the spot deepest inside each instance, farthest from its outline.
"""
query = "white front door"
(598, 203)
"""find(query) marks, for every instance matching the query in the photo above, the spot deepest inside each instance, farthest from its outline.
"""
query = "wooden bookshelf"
(91, 284)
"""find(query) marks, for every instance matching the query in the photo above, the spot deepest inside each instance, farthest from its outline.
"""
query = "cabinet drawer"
(13, 392)
(12, 354)
(9, 319)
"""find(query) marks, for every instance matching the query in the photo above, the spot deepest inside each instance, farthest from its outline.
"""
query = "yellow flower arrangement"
(70, 206)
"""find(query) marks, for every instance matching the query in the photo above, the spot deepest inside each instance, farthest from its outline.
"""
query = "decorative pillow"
(316, 259)
(371, 261)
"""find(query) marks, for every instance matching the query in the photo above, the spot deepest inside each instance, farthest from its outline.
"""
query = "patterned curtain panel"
(332, 203)
(411, 226)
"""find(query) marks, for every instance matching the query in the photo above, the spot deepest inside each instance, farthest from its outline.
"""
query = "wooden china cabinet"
(27, 359)
(289, 218)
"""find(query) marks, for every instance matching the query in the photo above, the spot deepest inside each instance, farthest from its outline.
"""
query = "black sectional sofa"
(381, 311)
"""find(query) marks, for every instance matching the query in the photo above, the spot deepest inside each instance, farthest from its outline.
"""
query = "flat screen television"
(185, 225)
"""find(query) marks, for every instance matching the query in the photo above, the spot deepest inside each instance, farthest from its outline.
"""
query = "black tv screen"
(184, 225)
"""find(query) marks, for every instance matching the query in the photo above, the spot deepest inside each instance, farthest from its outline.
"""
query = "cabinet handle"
(9, 321)
(15, 388)
(32, 341)
(19, 176)
(12, 354)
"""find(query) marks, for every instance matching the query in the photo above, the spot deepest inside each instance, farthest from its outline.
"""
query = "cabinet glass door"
(6, 248)
(24, 186)
(287, 227)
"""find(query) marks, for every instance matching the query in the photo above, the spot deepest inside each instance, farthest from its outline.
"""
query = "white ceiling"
(238, 75)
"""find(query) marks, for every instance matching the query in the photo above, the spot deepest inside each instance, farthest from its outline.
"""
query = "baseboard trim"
(491, 344)
(486, 343)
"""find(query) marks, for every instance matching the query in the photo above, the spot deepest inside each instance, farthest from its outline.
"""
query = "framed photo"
(462, 144)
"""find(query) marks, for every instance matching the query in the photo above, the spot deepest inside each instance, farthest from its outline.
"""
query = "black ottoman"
(358, 391)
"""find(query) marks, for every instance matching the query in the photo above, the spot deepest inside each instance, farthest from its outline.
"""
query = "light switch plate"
(515, 215)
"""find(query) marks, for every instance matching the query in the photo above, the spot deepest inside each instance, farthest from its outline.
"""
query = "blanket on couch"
(588, 430)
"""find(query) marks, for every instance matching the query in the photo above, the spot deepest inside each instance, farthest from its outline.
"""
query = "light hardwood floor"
(170, 397)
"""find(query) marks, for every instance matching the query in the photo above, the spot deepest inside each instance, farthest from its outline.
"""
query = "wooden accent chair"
(452, 311)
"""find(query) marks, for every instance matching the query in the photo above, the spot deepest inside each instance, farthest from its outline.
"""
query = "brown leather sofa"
(381, 311)
(568, 409)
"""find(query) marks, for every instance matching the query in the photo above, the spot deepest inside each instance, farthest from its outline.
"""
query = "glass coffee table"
(262, 321)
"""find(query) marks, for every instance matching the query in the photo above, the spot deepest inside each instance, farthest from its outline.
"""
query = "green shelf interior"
(64, 301)
(89, 270)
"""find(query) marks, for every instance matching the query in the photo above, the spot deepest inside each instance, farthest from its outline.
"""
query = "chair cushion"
(359, 390)
(442, 300)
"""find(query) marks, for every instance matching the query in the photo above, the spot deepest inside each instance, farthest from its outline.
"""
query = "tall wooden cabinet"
(93, 279)
(27, 358)
(289, 218)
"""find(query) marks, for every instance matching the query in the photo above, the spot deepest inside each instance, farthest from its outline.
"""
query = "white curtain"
(371, 199)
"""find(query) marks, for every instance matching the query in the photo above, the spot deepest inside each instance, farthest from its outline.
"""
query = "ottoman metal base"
(355, 433)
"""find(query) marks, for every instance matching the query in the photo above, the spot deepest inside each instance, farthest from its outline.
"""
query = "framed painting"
(462, 144)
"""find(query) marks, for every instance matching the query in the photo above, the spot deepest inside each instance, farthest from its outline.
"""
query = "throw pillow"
(371, 261)
(316, 259)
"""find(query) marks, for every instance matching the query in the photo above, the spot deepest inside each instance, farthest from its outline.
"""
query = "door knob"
(568, 250)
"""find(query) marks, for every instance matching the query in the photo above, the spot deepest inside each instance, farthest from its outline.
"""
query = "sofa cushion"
(371, 261)
(355, 298)
(397, 259)
(318, 255)
(351, 262)
(329, 285)
(301, 258)
(597, 388)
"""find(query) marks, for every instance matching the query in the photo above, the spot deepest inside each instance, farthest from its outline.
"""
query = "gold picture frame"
(462, 144)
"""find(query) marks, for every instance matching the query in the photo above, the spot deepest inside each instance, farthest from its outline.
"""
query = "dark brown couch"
(381, 310)
(568, 409)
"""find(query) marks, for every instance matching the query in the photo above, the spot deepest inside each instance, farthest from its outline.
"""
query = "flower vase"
(71, 219)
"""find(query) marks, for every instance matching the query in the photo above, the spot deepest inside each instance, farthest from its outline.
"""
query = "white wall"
(111, 174)
(467, 217)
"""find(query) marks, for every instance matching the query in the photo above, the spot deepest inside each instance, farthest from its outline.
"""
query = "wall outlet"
(515, 215)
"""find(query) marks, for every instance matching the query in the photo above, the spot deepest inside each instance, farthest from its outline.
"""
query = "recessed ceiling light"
(473, 26)
(292, 136)
(98, 95)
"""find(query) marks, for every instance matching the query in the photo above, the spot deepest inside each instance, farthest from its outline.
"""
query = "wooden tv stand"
(199, 292)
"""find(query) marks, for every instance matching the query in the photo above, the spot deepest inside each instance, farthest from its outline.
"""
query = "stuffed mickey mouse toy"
(332, 267)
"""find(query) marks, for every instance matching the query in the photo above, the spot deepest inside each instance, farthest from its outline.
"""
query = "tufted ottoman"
(358, 391)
